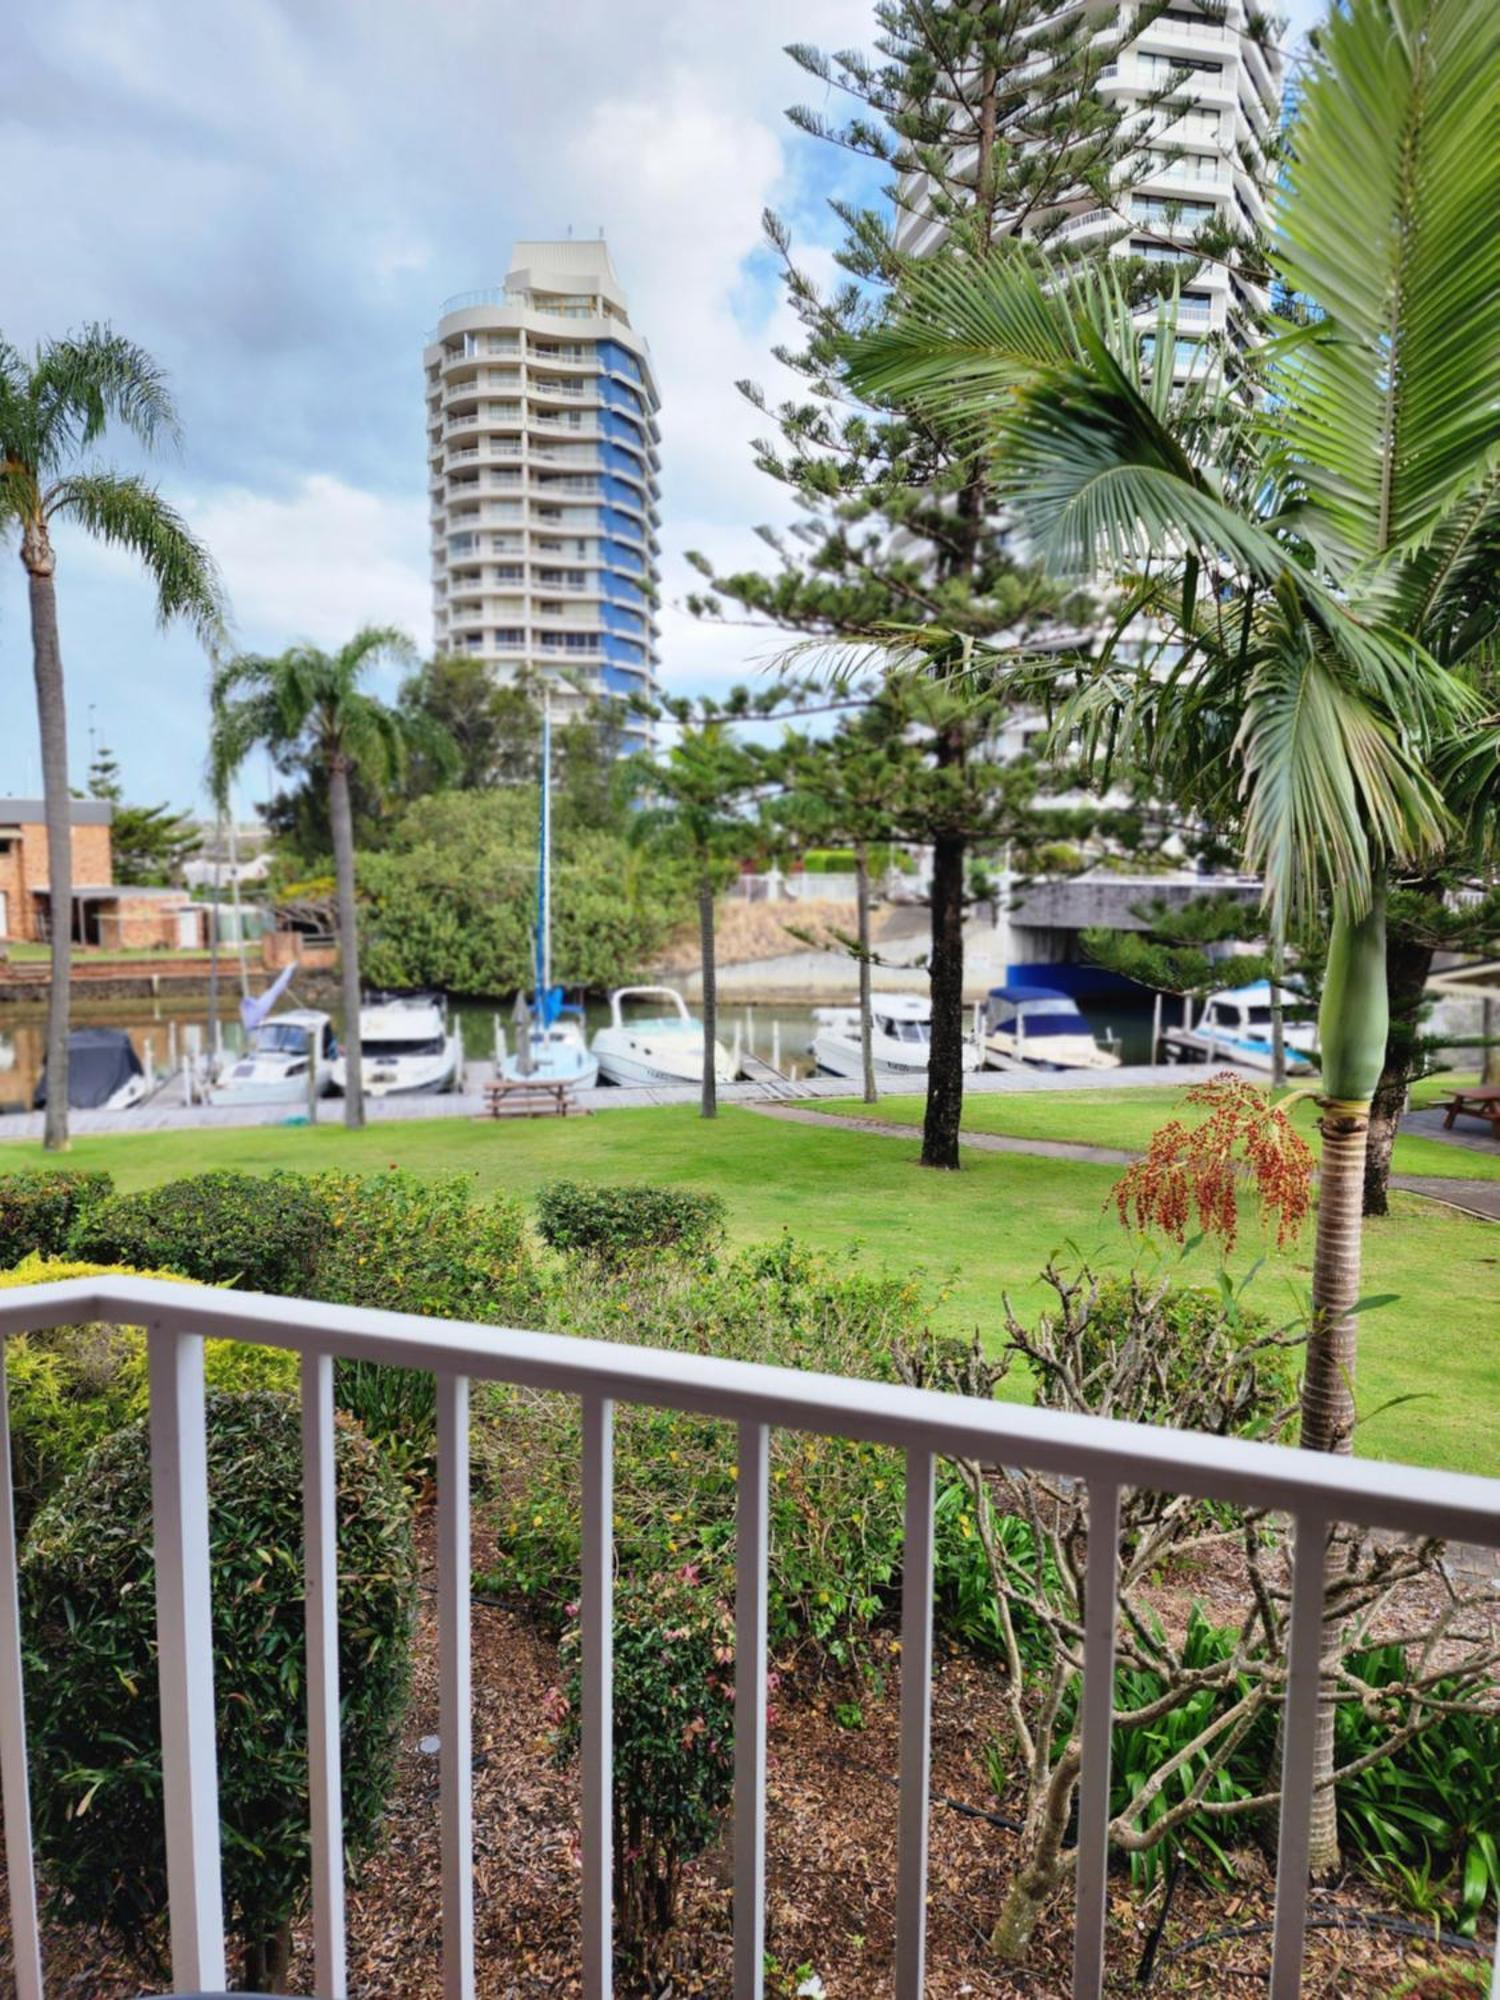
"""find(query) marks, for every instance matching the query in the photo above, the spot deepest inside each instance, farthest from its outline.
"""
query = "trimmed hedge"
(260, 1232)
(39, 1212)
(612, 1223)
(73, 1386)
(87, 1586)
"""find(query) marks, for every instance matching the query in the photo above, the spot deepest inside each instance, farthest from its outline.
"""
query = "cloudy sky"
(275, 196)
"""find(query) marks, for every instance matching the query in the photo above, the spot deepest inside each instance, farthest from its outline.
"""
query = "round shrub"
(72, 1386)
(39, 1212)
(89, 1616)
(612, 1223)
(261, 1232)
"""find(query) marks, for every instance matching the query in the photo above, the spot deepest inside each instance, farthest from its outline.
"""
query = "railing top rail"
(1403, 1498)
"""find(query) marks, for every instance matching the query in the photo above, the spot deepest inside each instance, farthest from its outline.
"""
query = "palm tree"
(53, 409)
(309, 708)
(1318, 559)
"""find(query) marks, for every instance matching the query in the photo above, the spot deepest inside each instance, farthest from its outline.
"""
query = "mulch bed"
(832, 1847)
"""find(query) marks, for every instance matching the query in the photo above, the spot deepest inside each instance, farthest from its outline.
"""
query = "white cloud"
(319, 562)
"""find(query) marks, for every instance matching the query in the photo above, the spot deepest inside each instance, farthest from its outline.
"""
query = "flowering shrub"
(1196, 1170)
(673, 1739)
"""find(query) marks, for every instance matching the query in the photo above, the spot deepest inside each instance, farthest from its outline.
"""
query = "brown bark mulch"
(832, 1847)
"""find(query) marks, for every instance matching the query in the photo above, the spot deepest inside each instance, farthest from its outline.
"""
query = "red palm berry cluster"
(1196, 1170)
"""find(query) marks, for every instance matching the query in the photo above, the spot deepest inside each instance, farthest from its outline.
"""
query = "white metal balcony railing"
(1316, 1490)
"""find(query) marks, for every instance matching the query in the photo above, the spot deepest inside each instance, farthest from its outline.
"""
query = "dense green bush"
(73, 1386)
(613, 1223)
(469, 929)
(39, 1212)
(91, 1672)
(260, 1232)
(673, 1739)
(836, 1505)
(408, 1244)
(840, 861)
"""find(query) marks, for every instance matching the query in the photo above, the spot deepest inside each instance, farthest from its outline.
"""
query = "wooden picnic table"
(1481, 1102)
(530, 1097)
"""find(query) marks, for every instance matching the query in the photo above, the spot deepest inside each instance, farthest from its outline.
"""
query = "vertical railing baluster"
(752, 1551)
(184, 1630)
(321, 1587)
(1298, 1730)
(1101, 1583)
(15, 1789)
(596, 1618)
(916, 1726)
(455, 1724)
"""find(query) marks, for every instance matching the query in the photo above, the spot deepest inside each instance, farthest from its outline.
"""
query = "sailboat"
(551, 1046)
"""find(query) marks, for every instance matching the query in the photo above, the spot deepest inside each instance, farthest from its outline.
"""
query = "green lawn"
(1127, 1118)
(971, 1236)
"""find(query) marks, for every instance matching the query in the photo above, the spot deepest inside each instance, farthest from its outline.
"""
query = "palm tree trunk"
(945, 1073)
(1352, 1025)
(710, 1105)
(341, 819)
(866, 1025)
(52, 722)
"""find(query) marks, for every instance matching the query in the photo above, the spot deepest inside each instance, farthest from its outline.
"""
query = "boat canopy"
(100, 1062)
(1041, 1010)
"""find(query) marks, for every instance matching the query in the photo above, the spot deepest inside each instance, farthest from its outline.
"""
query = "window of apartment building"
(508, 573)
(510, 635)
(1158, 68)
(1151, 208)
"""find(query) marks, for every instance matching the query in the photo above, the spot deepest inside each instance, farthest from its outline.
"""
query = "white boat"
(659, 1047)
(900, 1037)
(1235, 1027)
(272, 1066)
(405, 1044)
(551, 1046)
(1041, 1028)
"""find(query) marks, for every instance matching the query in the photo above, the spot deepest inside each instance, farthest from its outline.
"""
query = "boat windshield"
(411, 1046)
(904, 1031)
(280, 1038)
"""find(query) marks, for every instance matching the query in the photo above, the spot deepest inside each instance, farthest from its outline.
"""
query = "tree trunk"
(1407, 965)
(268, 1961)
(1041, 1874)
(710, 1105)
(1352, 1026)
(1278, 1015)
(52, 723)
(1489, 1056)
(945, 1070)
(866, 1024)
(341, 818)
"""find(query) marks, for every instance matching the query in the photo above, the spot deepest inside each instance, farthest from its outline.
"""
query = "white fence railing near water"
(1314, 1490)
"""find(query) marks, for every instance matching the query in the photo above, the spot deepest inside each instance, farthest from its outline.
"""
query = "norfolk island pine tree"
(1308, 555)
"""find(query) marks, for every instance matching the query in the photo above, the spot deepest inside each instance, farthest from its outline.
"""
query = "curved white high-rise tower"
(543, 463)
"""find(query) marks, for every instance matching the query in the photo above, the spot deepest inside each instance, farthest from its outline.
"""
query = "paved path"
(1477, 1198)
(982, 1142)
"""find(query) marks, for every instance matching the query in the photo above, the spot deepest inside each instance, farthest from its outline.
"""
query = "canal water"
(160, 1027)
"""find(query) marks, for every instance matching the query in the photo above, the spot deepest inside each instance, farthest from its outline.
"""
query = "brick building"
(103, 913)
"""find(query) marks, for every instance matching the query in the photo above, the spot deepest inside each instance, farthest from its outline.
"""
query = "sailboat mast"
(544, 894)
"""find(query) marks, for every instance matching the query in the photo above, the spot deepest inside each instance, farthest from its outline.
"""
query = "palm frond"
(126, 511)
(86, 381)
(1389, 412)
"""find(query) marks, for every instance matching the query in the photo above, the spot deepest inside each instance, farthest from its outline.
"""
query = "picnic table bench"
(530, 1097)
(1483, 1102)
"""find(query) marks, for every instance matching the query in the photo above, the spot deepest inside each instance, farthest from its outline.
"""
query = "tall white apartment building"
(543, 460)
(1203, 153)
